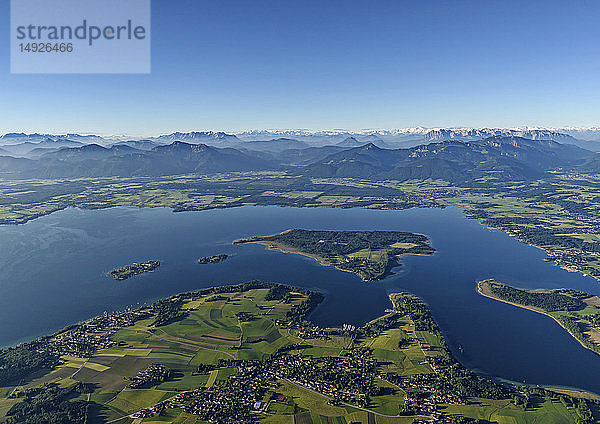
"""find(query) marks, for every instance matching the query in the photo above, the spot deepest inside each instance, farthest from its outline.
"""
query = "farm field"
(208, 343)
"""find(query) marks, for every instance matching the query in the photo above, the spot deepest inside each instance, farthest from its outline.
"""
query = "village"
(83, 340)
(354, 378)
(346, 380)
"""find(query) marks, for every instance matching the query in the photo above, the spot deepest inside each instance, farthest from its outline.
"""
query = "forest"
(369, 254)
(548, 301)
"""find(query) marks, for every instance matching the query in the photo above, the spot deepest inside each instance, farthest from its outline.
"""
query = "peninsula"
(369, 254)
(577, 312)
(212, 259)
(246, 354)
(129, 271)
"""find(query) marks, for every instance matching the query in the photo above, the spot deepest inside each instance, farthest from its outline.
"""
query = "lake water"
(53, 273)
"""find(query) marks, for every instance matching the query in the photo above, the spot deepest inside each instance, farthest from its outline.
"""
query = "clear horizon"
(308, 131)
(237, 65)
(416, 129)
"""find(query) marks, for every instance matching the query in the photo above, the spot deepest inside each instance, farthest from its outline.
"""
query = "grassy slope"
(184, 344)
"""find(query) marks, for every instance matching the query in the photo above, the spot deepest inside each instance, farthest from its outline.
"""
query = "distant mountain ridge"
(138, 144)
(275, 145)
(588, 138)
(199, 137)
(353, 142)
(47, 143)
(93, 160)
(564, 137)
(472, 133)
(18, 138)
(592, 164)
(456, 160)
(510, 158)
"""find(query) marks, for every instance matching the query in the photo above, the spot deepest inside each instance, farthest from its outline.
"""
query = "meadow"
(214, 332)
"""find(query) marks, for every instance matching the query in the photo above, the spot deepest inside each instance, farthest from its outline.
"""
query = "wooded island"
(129, 271)
(212, 259)
(369, 254)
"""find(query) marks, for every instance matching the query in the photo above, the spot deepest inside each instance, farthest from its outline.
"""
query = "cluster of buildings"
(238, 399)
(426, 390)
(307, 331)
(572, 260)
(348, 378)
(150, 412)
(345, 379)
(427, 197)
(83, 340)
(348, 327)
(154, 374)
(312, 332)
(235, 400)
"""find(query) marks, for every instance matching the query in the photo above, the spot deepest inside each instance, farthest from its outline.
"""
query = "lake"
(54, 274)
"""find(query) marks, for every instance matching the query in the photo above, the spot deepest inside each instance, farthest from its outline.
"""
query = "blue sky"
(232, 65)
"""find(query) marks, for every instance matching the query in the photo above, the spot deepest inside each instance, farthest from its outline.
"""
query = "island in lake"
(577, 312)
(369, 254)
(212, 259)
(129, 271)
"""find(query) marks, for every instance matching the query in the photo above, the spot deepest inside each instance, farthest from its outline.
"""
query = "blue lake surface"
(53, 273)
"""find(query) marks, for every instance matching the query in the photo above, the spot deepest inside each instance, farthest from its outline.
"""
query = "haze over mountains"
(458, 155)
(588, 138)
(505, 158)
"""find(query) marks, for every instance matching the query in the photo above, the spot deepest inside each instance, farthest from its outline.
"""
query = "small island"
(369, 254)
(129, 271)
(212, 259)
(577, 312)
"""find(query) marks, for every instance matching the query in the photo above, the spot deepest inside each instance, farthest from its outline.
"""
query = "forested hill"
(327, 243)
(461, 162)
(592, 164)
(96, 161)
(501, 158)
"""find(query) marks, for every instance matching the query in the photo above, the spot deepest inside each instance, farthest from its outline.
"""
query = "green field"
(244, 325)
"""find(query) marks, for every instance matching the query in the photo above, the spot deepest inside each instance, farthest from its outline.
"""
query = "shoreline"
(283, 249)
(486, 293)
(570, 391)
(322, 261)
(574, 392)
(467, 215)
(465, 209)
(272, 245)
(286, 249)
